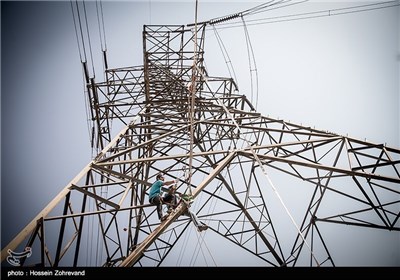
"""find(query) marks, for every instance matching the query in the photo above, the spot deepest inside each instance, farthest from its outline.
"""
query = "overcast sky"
(337, 73)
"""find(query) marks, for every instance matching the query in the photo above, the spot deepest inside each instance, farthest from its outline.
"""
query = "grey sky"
(338, 73)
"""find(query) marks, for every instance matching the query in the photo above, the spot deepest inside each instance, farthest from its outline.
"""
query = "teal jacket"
(155, 189)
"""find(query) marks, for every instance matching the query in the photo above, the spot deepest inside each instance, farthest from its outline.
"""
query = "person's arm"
(167, 183)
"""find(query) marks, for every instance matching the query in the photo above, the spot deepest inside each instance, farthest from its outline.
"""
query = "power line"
(312, 15)
(252, 64)
(273, 6)
(225, 54)
(102, 31)
(83, 59)
(88, 36)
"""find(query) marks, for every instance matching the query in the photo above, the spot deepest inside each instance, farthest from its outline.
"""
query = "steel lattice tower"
(242, 161)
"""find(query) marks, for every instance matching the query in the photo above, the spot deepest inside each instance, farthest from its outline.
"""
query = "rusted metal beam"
(137, 253)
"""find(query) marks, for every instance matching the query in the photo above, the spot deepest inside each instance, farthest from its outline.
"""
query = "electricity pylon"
(268, 186)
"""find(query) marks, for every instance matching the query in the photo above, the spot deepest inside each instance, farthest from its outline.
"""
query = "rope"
(202, 241)
(91, 233)
(191, 101)
(183, 248)
(98, 245)
(199, 244)
(263, 170)
(192, 91)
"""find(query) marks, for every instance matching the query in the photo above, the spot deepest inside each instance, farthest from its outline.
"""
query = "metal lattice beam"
(339, 180)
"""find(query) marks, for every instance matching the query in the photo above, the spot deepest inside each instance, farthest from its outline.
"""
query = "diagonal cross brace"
(43, 214)
(138, 252)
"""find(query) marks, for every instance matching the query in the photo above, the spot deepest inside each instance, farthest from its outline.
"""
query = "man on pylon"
(159, 195)
(155, 193)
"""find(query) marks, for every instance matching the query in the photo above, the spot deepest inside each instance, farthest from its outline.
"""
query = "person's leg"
(200, 226)
(168, 200)
(171, 200)
(192, 216)
(157, 201)
(174, 200)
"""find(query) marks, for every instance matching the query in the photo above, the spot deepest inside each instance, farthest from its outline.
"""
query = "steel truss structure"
(249, 172)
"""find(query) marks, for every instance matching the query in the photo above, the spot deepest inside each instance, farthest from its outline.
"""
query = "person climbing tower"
(155, 193)
(159, 195)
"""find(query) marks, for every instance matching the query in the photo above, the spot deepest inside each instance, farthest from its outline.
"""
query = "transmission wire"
(102, 22)
(251, 58)
(76, 32)
(88, 35)
(225, 54)
(312, 15)
(272, 7)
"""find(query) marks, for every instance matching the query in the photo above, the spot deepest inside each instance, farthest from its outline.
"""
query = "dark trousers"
(156, 200)
(170, 199)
